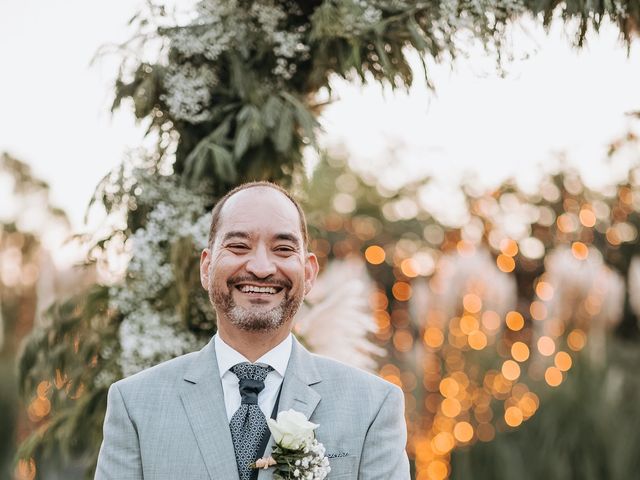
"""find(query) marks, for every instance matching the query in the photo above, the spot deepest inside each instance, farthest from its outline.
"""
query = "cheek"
(294, 269)
(217, 276)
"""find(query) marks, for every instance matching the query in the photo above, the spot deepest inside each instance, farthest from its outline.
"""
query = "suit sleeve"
(384, 454)
(119, 456)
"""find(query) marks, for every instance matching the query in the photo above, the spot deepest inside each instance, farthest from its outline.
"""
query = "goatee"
(250, 319)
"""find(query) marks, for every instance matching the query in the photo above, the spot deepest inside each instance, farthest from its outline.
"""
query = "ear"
(205, 261)
(311, 269)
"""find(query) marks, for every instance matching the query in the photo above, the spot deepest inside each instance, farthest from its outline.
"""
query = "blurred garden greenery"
(512, 330)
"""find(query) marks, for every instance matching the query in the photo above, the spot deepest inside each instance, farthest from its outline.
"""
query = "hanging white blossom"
(151, 330)
(190, 87)
(226, 26)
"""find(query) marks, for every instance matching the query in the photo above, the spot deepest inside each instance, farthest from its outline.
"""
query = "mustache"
(259, 281)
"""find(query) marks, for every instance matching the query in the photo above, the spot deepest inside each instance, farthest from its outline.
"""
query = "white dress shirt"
(277, 357)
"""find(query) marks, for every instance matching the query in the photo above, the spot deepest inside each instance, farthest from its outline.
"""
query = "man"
(202, 415)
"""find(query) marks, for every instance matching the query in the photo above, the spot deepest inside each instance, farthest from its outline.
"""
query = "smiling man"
(203, 415)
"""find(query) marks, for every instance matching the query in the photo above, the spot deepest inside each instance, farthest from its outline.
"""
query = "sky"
(477, 124)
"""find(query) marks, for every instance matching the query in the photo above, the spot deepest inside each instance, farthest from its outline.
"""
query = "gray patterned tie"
(248, 424)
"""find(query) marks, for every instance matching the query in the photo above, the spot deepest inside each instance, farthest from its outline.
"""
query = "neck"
(252, 345)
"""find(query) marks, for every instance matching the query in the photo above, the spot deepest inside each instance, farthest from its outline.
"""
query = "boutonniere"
(296, 455)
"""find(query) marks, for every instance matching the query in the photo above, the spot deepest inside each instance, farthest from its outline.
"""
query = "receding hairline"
(216, 212)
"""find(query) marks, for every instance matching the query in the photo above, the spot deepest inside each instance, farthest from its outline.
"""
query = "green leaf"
(283, 134)
(389, 71)
(271, 111)
(243, 138)
(223, 163)
(304, 117)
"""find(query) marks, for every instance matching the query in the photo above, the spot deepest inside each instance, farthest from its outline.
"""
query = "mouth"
(258, 290)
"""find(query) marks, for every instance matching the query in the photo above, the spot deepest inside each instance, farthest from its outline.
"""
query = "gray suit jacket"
(169, 422)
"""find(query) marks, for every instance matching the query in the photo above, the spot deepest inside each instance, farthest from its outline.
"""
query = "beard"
(255, 320)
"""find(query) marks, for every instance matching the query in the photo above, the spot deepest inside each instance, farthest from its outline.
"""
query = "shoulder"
(160, 377)
(347, 377)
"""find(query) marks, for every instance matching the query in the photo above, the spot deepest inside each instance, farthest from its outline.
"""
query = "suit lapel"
(297, 393)
(203, 400)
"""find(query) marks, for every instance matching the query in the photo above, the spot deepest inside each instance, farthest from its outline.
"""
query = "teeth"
(254, 289)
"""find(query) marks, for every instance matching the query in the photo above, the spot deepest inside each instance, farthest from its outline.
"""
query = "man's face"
(257, 271)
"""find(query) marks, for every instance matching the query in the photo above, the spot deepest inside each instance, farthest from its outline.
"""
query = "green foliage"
(20, 252)
(588, 15)
(255, 67)
(62, 361)
(232, 98)
(587, 429)
(9, 407)
(191, 301)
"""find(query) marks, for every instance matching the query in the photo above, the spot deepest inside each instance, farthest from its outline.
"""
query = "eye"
(238, 246)
(285, 249)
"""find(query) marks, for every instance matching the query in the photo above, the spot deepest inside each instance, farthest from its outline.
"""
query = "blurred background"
(470, 173)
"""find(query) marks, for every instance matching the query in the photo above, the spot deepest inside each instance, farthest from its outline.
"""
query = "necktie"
(248, 424)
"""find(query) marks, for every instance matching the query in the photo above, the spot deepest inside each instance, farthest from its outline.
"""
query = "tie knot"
(251, 371)
(251, 378)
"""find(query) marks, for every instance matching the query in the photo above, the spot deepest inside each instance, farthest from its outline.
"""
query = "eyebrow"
(289, 237)
(235, 234)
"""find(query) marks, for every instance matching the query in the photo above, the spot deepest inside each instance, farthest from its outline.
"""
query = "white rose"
(291, 429)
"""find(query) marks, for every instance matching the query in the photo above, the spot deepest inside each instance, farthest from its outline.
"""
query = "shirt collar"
(277, 357)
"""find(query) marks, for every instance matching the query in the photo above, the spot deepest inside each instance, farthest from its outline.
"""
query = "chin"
(257, 321)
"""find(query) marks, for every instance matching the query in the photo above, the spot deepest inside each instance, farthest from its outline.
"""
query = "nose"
(260, 263)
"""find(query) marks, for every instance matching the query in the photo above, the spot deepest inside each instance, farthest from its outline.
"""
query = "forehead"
(259, 210)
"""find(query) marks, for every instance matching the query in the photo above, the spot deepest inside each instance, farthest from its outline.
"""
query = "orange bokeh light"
(383, 320)
(477, 340)
(513, 416)
(553, 376)
(612, 236)
(401, 291)
(491, 320)
(433, 337)
(463, 431)
(563, 361)
(544, 290)
(510, 370)
(505, 263)
(587, 218)
(472, 303)
(566, 223)
(437, 470)
(579, 250)
(469, 324)
(375, 254)
(576, 340)
(403, 340)
(515, 321)
(450, 407)
(449, 387)
(520, 351)
(538, 310)
(509, 247)
(409, 267)
(546, 346)
(443, 443)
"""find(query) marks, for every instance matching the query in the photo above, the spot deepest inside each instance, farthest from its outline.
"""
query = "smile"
(258, 289)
